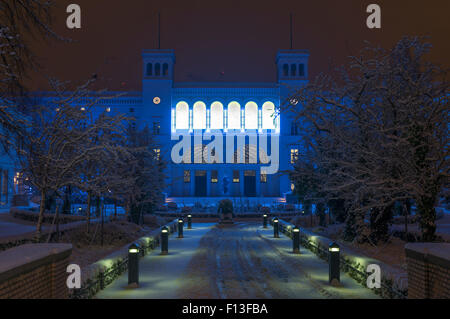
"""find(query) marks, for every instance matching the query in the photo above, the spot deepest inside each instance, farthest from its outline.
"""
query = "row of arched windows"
(156, 69)
(293, 69)
(216, 117)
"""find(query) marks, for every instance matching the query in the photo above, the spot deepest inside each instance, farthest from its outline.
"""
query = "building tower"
(292, 73)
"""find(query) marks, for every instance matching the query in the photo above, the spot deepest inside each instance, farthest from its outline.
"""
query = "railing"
(104, 278)
(323, 253)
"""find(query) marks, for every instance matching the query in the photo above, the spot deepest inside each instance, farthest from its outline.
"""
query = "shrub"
(154, 221)
(186, 209)
(162, 208)
(265, 210)
(289, 207)
(48, 218)
(172, 206)
(226, 206)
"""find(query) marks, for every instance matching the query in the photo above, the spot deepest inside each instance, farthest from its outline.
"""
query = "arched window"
(268, 116)
(149, 69)
(182, 116)
(216, 114)
(157, 69)
(234, 116)
(285, 70)
(301, 70)
(199, 110)
(165, 69)
(293, 70)
(251, 116)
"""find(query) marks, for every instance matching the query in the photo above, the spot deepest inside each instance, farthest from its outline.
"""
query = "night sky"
(233, 40)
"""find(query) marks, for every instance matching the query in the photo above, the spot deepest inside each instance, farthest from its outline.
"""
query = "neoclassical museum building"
(224, 139)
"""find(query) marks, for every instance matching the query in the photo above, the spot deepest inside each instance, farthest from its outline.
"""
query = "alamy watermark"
(262, 146)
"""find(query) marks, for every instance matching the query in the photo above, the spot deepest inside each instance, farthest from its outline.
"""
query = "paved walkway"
(160, 276)
(241, 261)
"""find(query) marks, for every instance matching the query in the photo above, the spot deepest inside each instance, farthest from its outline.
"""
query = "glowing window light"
(199, 111)
(234, 116)
(182, 116)
(173, 119)
(268, 116)
(216, 116)
(251, 116)
(226, 120)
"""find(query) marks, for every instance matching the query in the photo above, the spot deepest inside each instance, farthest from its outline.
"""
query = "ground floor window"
(157, 153)
(187, 176)
(263, 178)
(235, 176)
(214, 177)
(294, 155)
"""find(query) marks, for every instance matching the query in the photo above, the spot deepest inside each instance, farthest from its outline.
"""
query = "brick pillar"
(428, 270)
(34, 271)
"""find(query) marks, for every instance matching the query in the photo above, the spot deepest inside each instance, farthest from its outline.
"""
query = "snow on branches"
(378, 132)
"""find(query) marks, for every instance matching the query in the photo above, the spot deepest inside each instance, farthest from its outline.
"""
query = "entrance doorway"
(200, 183)
(250, 183)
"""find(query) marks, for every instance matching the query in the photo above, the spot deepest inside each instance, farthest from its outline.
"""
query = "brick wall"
(34, 271)
(428, 270)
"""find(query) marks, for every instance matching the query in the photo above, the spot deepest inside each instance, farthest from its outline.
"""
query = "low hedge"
(48, 218)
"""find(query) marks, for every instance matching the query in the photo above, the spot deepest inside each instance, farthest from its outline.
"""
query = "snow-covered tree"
(146, 169)
(54, 146)
(19, 21)
(379, 134)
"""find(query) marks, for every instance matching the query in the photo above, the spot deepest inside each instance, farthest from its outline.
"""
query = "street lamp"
(189, 218)
(275, 228)
(133, 264)
(180, 227)
(334, 264)
(164, 241)
(296, 240)
(265, 220)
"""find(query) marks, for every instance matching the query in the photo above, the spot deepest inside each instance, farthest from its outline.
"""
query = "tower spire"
(159, 30)
(290, 29)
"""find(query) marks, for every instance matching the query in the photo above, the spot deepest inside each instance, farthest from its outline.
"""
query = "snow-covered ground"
(240, 261)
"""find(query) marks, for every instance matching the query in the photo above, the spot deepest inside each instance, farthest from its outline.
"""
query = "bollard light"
(133, 264)
(265, 220)
(189, 218)
(275, 228)
(334, 264)
(296, 240)
(164, 241)
(180, 227)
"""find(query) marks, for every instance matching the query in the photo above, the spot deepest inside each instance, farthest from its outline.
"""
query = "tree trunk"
(427, 213)
(115, 208)
(41, 216)
(97, 206)
(57, 223)
(88, 211)
(101, 212)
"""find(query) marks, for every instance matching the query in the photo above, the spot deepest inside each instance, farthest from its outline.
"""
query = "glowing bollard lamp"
(164, 241)
(334, 264)
(265, 220)
(180, 227)
(133, 265)
(189, 218)
(275, 228)
(296, 240)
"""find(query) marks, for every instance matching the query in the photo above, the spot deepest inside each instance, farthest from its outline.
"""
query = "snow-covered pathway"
(245, 261)
(238, 261)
